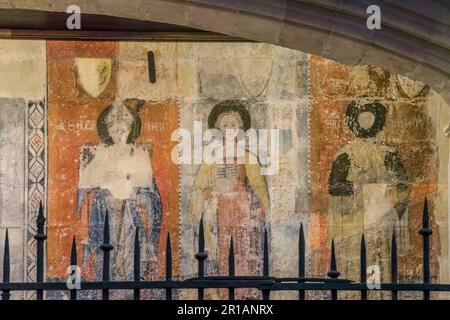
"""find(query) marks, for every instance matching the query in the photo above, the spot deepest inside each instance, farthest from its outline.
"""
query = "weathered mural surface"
(384, 158)
(343, 150)
(249, 87)
(109, 155)
(23, 145)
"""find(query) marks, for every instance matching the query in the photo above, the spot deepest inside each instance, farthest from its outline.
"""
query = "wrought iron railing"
(265, 283)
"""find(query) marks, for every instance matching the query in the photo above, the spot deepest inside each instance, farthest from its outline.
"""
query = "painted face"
(231, 121)
(119, 123)
(366, 120)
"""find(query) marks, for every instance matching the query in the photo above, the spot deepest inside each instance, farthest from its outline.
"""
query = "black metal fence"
(265, 283)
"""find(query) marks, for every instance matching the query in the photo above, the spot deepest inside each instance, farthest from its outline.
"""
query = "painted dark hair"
(102, 127)
(228, 106)
(354, 110)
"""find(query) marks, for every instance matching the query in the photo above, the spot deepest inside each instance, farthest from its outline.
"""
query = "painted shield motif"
(94, 74)
(255, 75)
(410, 88)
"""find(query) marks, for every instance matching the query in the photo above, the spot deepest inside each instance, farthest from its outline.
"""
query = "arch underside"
(413, 41)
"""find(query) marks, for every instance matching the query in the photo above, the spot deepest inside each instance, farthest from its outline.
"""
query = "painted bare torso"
(117, 168)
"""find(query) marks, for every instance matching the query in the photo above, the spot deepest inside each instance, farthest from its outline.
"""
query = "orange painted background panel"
(72, 118)
(408, 128)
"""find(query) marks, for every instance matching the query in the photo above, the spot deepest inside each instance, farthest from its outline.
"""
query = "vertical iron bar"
(333, 273)
(6, 271)
(363, 266)
(40, 238)
(266, 293)
(394, 269)
(425, 232)
(301, 260)
(168, 266)
(106, 247)
(73, 263)
(231, 271)
(137, 263)
(201, 257)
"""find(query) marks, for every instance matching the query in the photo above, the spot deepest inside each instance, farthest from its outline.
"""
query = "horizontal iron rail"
(275, 279)
(264, 282)
(273, 285)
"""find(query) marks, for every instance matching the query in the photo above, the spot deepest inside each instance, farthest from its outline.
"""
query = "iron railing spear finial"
(6, 266)
(426, 232)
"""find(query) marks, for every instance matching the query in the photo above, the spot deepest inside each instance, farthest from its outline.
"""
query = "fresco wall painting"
(359, 150)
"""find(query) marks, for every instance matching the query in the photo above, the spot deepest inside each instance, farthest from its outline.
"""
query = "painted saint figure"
(116, 178)
(233, 200)
(369, 190)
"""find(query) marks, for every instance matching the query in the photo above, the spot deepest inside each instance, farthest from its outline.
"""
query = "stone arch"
(413, 40)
